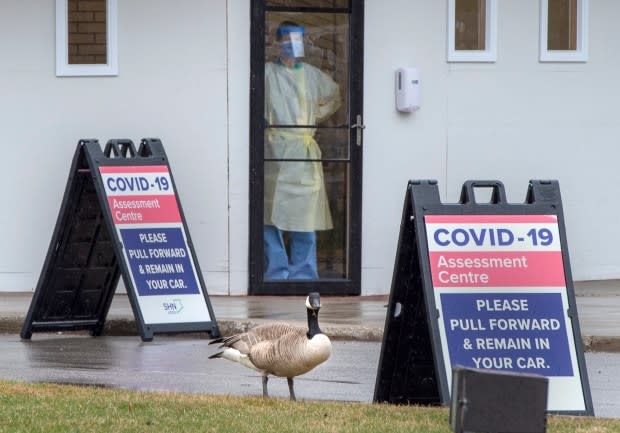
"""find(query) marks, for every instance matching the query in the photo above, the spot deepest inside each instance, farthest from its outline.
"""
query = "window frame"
(580, 54)
(489, 54)
(63, 68)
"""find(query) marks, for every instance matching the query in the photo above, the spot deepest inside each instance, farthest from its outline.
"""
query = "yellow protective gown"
(295, 198)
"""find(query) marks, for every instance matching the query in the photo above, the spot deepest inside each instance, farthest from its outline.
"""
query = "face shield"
(291, 41)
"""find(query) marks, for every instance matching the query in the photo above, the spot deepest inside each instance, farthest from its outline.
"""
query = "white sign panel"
(500, 288)
(148, 222)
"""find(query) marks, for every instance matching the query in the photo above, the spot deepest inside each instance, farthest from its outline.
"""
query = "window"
(86, 42)
(472, 30)
(563, 30)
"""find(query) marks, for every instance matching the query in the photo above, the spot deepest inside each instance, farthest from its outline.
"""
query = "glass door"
(306, 147)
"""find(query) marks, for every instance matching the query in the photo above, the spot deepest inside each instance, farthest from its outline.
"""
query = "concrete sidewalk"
(359, 318)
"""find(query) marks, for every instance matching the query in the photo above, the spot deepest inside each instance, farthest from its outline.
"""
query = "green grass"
(67, 409)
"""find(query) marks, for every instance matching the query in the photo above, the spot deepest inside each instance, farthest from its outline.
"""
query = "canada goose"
(280, 349)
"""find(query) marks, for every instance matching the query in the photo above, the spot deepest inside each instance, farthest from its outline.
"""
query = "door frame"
(341, 287)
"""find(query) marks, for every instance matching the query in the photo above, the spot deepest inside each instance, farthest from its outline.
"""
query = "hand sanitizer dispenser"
(407, 90)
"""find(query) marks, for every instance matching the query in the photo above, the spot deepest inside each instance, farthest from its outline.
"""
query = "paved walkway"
(354, 318)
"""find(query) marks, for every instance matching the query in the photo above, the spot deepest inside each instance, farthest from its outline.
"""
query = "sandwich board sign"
(121, 216)
(485, 286)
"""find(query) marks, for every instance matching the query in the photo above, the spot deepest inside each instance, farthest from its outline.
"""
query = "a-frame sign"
(485, 286)
(120, 215)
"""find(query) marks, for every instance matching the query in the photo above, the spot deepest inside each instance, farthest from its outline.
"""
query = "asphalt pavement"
(179, 363)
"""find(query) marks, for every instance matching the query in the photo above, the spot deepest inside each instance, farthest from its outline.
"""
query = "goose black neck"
(313, 323)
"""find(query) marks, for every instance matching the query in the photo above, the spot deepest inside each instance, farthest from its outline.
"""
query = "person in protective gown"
(296, 93)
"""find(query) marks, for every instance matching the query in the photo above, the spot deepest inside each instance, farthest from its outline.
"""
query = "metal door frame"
(352, 284)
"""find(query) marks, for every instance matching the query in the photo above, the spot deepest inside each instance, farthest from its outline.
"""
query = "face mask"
(294, 47)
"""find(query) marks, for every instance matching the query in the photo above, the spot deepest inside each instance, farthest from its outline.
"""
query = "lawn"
(35, 408)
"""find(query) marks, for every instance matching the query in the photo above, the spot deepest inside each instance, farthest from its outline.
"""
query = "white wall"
(172, 84)
(184, 77)
(519, 119)
(238, 141)
(513, 120)
(399, 147)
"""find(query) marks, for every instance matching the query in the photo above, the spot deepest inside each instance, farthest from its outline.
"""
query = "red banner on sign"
(497, 269)
(144, 209)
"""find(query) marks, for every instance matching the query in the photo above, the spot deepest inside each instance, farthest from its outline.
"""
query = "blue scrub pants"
(299, 264)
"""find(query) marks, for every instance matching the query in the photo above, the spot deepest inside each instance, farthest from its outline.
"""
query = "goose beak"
(313, 302)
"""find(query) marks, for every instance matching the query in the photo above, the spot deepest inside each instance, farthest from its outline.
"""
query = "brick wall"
(87, 32)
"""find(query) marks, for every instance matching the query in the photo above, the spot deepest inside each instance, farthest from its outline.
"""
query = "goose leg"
(289, 380)
(265, 393)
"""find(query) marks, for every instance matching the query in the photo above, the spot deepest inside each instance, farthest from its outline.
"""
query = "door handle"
(359, 126)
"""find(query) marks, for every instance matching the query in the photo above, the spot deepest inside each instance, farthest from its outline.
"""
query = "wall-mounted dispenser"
(407, 90)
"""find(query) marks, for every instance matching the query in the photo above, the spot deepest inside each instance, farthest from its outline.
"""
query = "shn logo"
(174, 307)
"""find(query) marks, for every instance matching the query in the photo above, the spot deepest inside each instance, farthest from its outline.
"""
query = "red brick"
(81, 60)
(91, 28)
(92, 5)
(81, 38)
(91, 49)
(81, 16)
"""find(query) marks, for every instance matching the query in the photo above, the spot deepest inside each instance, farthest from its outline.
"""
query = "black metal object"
(407, 364)
(81, 270)
(351, 285)
(411, 366)
(498, 402)
(85, 258)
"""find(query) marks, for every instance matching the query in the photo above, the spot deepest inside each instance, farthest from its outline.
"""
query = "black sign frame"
(411, 366)
(85, 258)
